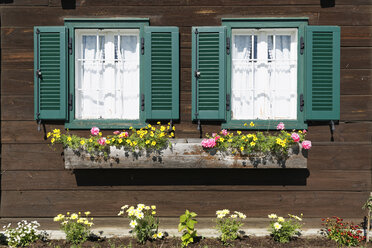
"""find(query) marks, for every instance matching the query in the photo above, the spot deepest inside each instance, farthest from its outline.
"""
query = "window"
(110, 73)
(266, 70)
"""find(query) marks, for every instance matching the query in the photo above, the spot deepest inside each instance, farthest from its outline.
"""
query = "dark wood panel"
(17, 107)
(356, 82)
(174, 203)
(356, 108)
(17, 38)
(356, 36)
(34, 157)
(17, 82)
(356, 58)
(191, 15)
(155, 180)
(25, 3)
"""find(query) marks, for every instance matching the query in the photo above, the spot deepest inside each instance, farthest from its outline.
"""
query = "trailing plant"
(75, 226)
(23, 235)
(144, 222)
(283, 230)
(228, 224)
(187, 225)
(344, 233)
(150, 137)
(257, 143)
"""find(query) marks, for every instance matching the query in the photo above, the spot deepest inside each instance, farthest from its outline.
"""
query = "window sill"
(105, 124)
(263, 124)
(184, 154)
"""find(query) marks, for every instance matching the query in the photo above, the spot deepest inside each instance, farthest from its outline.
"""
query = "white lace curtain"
(107, 75)
(264, 75)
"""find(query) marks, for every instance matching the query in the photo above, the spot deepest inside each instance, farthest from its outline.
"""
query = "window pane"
(107, 79)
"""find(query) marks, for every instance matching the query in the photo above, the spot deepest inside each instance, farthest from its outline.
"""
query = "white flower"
(133, 224)
(140, 215)
(241, 215)
(120, 213)
(160, 235)
(272, 216)
(277, 226)
(140, 206)
(280, 219)
(234, 216)
(124, 207)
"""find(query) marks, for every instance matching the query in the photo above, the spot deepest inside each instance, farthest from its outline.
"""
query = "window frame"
(109, 23)
(261, 23)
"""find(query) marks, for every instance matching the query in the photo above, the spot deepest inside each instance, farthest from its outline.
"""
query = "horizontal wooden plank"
(191, 15)
(356, 36)
(356, 108)
(17, 82)
(11, 3)
(17, 107)
(356, 82)
(188, 180)
(174, 203)
(356, 58)
(26, 131)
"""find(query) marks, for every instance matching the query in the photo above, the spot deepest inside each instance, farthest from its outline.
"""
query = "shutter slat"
(162, 73)
(208, 91)
(323, 73)
(50, 57)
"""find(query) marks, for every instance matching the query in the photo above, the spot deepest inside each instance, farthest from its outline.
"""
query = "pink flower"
(94, 131)
(295, 137)
(102, 141)
(306, 144)
(214, 135)
(208, 143)
(224, 132)
(123, 134)
(116, 132)
(217, 138)
(280, 126)
(304, 131)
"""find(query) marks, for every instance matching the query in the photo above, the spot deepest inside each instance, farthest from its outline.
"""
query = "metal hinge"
(37, 31)
(197, 74)
(302, 102)
(228, 105)
(302, 45)
(142, 46)
(142, 102)
(70, 45)
(38, 73)
(196, 31)
(70, 102)
(228, 45)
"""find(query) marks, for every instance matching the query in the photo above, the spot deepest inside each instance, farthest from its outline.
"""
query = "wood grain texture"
(174, 203)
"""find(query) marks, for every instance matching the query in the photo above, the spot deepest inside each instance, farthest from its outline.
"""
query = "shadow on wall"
(127, 177)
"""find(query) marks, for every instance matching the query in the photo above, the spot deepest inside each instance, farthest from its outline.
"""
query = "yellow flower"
(158, 123)
(113, 139)
(87, 213)
(245, 124)
(128, 141)
(134, 143)
(174, 128)
(90, 140)
(120, 140)
(58, 135)
(108, 141)
(49, 134)
(100, 133)
(243, 137)
(153, 128)
(68, 138)
(152, 134)
(238, 132)
(56, 131)
(149, 125)
(222, 139)
(299, 131)
(172, 134)
(130, 127)
(251, 124)
(153, 143)
(252, 143)
(153, 212)
(162, 128)
(229, 140)
(254, 138)
(153, 207)
(147, 142)
(241, 148)
(161, 135)
(52, 140)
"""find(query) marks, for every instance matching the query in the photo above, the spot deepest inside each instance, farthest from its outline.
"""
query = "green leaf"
(183, 218)
(193, 214)
(180, 227)
(190, 224)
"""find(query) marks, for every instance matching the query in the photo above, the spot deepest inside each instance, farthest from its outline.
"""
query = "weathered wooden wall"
(34, 182)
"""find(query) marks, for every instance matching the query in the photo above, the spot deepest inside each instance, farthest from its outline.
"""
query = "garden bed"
(203, 243)
(183, 154)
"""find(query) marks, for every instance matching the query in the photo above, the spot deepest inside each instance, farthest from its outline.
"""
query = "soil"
(245, 242)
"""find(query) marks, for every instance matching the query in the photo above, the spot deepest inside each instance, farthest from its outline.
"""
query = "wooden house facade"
(337, 180)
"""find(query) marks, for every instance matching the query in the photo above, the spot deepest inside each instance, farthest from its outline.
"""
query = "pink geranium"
(304, 131)
(280, 126)
(295, 137)
(94, 131)
(123, 134)
(116, 132)
(102, 141)
(208, 143)
(224, 132)
(217, 138)
(306, 144)
(214, 135)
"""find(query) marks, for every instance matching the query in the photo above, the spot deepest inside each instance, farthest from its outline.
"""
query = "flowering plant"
(228, 225)
(257, 143)
(150, 137)
(343, 233)
(143, 221)
(23, 235)
(76, 227)
(283, 229)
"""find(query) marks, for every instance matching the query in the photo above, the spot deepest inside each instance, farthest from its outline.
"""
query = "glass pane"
(270, 46)
(282, 46)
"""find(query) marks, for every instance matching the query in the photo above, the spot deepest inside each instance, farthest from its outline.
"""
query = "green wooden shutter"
(161, 73)
(209, 61)
(50, 64)
(322, 99)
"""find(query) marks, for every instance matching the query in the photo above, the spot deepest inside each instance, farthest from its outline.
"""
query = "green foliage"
(76, 227)
(187, 225)
(344, 233)
(23, 235)
(149, 138)
(368, 204)
(283, 230)
(228, 225)
(143, 221)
